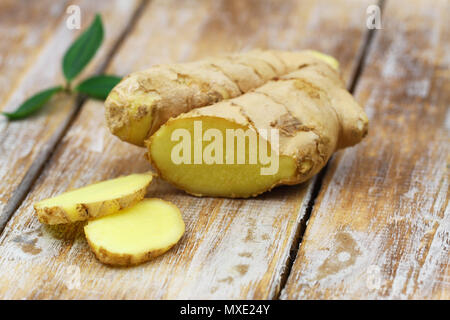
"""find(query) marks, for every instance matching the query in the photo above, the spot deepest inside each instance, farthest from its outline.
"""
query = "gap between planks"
(44, 155)
(314, 190)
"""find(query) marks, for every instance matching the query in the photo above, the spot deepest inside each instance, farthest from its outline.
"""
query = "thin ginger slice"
(94, 200)
(136, 234)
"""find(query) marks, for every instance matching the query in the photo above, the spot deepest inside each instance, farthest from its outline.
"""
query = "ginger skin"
(145, 100)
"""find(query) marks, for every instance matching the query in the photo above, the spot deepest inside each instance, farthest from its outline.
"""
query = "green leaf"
(33, 104)
(83, 49)
(98, 86)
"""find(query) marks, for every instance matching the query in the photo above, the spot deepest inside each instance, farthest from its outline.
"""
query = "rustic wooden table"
(374, 224)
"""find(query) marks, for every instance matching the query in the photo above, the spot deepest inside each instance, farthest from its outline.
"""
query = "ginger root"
(136, 234)
(310, 109)
(95, 200)
(145, 100)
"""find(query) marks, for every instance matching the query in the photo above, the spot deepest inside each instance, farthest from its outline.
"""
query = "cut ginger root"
(95, 200)
(136, 234)
(309, 111)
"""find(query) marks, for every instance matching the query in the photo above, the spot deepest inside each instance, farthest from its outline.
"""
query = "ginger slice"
(94, 200)
(136, 234)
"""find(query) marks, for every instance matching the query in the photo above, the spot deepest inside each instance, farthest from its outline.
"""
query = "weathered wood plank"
(26, 144)
(232, 248)
(381, 224)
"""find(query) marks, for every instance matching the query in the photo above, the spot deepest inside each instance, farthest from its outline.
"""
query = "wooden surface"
(380, 227)
(382, 204)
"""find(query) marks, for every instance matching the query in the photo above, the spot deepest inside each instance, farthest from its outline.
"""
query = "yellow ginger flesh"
(230, 180)
(136, 234)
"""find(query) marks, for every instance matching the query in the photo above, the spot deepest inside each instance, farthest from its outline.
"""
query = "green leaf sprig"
(98, 86)
(79, 54)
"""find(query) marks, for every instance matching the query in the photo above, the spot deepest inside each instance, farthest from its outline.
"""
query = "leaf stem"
(67, 87)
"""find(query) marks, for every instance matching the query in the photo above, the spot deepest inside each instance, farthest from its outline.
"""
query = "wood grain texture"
(232, 248)
(28, 142)
(380, 228)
